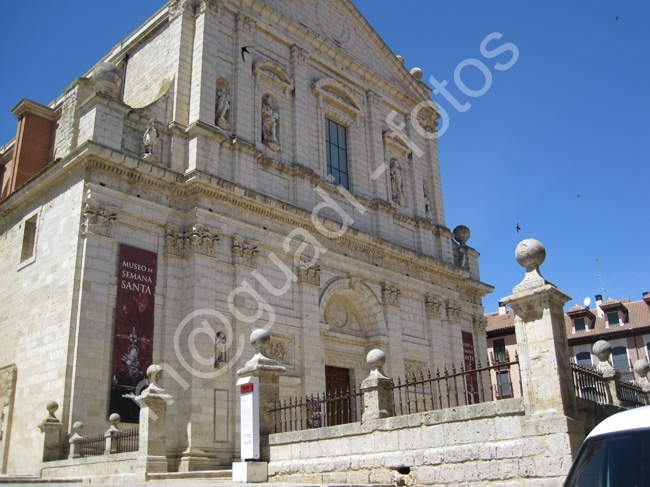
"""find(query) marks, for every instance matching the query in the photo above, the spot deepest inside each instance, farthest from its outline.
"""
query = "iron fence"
(631, 395)
(456, 387)
(127, 440)
(92, 446)
(589, 384)
(300, 413)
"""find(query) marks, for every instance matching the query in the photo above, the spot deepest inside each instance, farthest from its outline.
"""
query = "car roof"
(631, 419)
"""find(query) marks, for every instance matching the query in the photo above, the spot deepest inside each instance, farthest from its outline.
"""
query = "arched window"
(620, 360)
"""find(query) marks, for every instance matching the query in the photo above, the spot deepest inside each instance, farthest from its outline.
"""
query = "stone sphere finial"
(51, 407)
(114, 419)
(641, 367)
(77, 427)
(602, 349)
(376, 359)
(416, 73)
(530, 253)
(400, 58)
(260, 339)
(154, 373)
(462, 234)
(107, 78)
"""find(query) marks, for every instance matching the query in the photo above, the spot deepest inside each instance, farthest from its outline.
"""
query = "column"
(51, 428)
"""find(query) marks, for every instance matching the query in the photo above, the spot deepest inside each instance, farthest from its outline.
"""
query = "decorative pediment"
(396, 140)
(335, 93)
(274, 74)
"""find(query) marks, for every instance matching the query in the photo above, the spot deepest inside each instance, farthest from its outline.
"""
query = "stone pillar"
(547, 385)
(603, 350)
(75, 440)
(152, 451)
(642, 368)
(268, 371)
(113, 443)
(376, 388)
(51, 429)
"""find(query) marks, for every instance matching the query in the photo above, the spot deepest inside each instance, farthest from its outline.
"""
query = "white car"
(616, 453)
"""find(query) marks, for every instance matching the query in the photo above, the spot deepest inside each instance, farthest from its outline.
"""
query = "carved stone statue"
(270, 120)
(397, 182)
(222, 107)
(427, 201)
(150, 140)
(220, 349)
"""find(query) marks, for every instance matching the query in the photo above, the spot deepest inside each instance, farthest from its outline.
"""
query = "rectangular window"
(29, 239)
(620, 360)
(499, 346)
(612, 318)
(503, 384)
(337, 153)
(579, 324)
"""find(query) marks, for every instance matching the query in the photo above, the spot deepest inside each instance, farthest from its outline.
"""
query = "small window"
(584, 359)
(337, 154)
(29, 239)
(613, 319)
(503, 384)
(620, 360)
(579, 324)
(499, 347)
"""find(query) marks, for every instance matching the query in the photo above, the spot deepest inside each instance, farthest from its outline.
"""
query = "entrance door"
(337, 389)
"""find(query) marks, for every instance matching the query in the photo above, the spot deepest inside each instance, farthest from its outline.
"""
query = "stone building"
(229, 165)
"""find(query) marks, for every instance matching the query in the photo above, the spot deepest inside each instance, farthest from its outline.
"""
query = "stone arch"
(337, 94)
(359, 302)
(274, 73)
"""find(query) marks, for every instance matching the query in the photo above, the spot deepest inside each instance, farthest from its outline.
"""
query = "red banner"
(134, 317)
(470, 364)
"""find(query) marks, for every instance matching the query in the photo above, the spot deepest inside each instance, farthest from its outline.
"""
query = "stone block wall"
(482, 444)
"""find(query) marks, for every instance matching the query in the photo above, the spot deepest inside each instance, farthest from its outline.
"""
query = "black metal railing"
(589, 384)
(456, 387)
(127, 440)
(92, 446)
(300, 413)
(631, 395)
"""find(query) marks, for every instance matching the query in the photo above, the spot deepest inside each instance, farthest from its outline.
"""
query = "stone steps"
(33, 479)
(204, 474)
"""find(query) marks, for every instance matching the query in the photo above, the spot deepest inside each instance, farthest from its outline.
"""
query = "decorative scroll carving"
(390, 294)
(98, 219)
(433, 306)
(196, 239)
(309, 273)
(453, 312)
(244, 252)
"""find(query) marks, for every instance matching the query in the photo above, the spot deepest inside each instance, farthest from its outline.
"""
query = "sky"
(556, 144)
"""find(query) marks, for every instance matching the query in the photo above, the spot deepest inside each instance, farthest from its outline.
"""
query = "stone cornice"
(134, 170)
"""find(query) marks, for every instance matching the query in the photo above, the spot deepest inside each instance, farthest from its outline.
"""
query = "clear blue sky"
(571, 117)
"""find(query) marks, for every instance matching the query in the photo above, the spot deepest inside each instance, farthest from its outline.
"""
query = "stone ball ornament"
(602, 349)
(51, 407)
(641, 368)
(107, 78)
(462, 234)
(376, 359)
(530, 254)
(77, 426)
(114, 419)
(260, 339)
(416, 73)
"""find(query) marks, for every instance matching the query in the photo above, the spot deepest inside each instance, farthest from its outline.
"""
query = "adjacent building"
(625, 324)
(229, 165)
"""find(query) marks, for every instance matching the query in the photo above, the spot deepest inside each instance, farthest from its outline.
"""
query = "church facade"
(230, 165)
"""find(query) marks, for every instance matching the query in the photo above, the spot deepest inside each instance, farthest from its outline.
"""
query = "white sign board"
(249, 389)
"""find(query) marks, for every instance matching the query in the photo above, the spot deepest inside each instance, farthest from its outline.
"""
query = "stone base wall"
(487, 443)
(119, 467)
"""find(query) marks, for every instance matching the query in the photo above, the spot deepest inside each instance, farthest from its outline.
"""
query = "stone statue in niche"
(149, 141)
(270, 119)
(220, 349)
(397, 182)
(222, 107)
(427, 201)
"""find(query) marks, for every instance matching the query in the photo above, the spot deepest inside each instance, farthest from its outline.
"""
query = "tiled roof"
(495, 321)
(638, 317)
